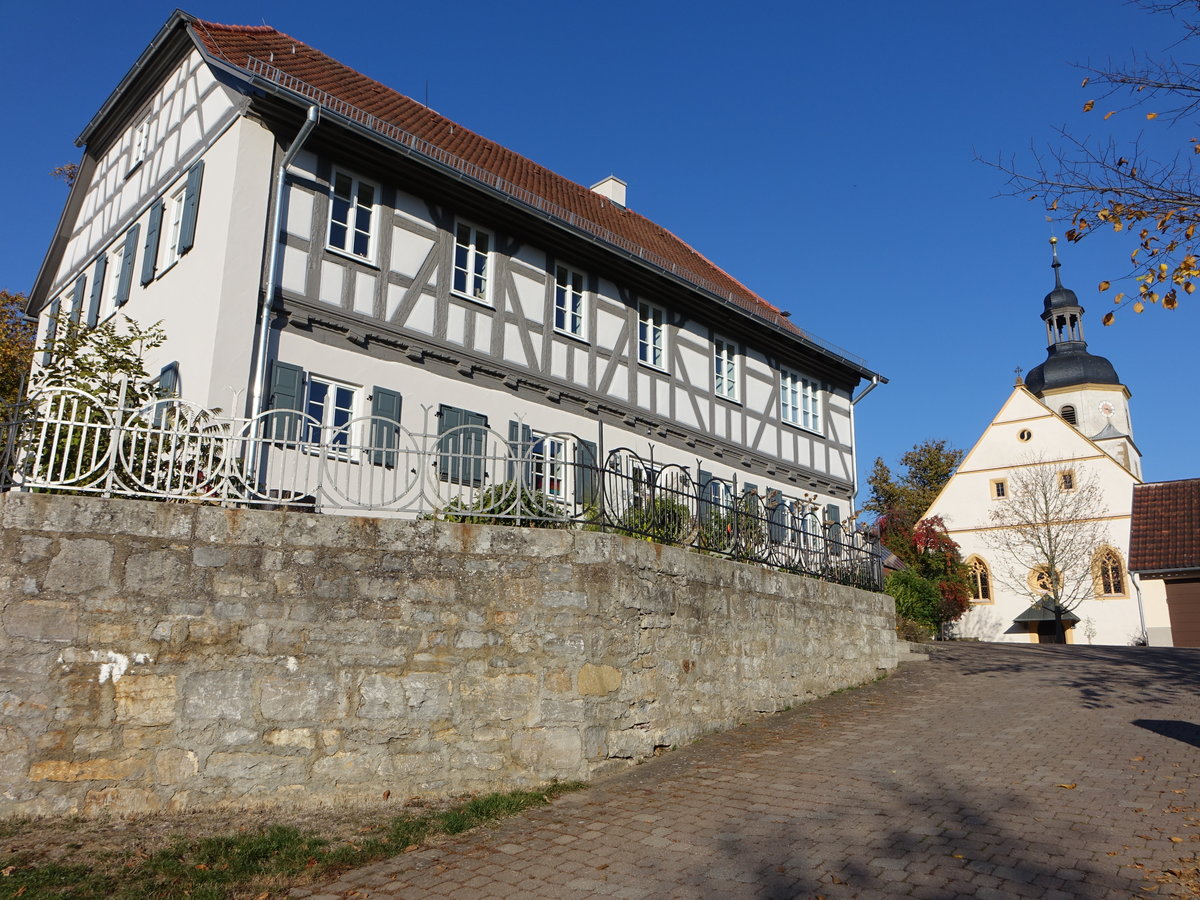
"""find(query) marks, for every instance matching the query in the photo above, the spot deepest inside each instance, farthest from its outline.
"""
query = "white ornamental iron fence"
(65, 440)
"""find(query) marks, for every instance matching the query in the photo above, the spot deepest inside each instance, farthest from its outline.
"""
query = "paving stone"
(940, 781)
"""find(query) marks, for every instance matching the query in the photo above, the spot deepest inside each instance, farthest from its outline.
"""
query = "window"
(650, 335)
(1039, 580)
(472, 262)
(173, 217)
(330, 407)
(351, 215)
(141, 142)
(1068, 413)
(1110, 574)
(799, 400)
(1066, 480)
(725, 369)
(981, 580)
(568, 301)
(549, 457)
(462, 445)
(999, 488)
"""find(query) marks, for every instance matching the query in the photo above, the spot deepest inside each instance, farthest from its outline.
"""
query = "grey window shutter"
(450, 447)
(127, 257)
(168, 389)
(51, 333)
(287, 398)
(833, 528)
(475, 443)
(77, 299)
(777, 518)
(150, 251)
(93, 318)
(385, 425)
(586, 485)
(520, 443)
(191, 204)
(703, 496)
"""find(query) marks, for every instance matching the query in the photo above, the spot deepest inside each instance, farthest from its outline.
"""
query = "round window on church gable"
(1025, 435)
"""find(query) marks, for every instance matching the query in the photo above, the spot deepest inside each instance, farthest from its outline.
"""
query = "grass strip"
(263, 863)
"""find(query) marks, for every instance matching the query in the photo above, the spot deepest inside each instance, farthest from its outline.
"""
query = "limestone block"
(174, 765)
(254, 637)
(33, 548)
(428, 696)
(208, 556)
(557, 681)
(14, 753)
(145, 699)
(630, 743)
(300, 697)
(498, 698)
(157, 573)
(352, 765)
(577, 599)
(263, 768)
(598, 680)
(85, 770)
(208, 633)
(121, 801)
(41, 621)
(548, 749)
(218, 695)
(92, 740)
(291, 737)
(81, 566)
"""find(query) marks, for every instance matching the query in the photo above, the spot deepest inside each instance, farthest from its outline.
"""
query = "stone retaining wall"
(171, 656)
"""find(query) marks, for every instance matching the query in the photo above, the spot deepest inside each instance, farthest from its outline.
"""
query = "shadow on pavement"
(1188, 732)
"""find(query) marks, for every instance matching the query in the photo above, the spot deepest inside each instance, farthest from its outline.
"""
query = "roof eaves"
(176, 18)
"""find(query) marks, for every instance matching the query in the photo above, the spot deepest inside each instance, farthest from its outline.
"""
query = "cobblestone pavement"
(991, 771)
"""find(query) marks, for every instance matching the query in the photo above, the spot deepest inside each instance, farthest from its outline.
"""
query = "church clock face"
(1107, 409)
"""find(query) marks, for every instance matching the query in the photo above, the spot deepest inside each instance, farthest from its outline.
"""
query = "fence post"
(114, 436)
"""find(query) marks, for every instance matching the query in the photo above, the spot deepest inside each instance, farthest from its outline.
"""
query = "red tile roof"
(273, 54)
(1165, 529)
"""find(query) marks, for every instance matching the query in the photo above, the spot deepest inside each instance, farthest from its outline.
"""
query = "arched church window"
(1068, 413)
(981, 580)
(1110, 573)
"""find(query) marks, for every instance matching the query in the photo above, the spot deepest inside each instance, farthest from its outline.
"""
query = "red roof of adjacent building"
(266, 52)
(1165, 529)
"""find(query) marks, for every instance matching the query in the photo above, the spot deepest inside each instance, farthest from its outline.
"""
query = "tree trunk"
(1060, 633)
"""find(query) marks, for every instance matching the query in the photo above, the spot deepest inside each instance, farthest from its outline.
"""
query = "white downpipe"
(258, 393)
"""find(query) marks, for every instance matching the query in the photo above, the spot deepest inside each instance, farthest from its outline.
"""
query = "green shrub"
(917, 599)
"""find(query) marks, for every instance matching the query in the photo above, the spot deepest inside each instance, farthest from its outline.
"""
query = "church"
(1070, 414)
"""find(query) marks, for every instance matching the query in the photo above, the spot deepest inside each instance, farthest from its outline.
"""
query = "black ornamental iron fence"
(65, 440)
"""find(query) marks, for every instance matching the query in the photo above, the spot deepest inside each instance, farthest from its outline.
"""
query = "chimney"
(613, 188)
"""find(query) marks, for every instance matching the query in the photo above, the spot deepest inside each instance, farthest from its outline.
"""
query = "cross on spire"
(1018, 370)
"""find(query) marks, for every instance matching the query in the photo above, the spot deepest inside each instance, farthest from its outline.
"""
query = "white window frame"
(354, 213)
(329, 425)
(549, 470)
(570, 301)
(476, 281)
(168, 250)
(139, 143)
(652, 335)
(725, 369)
(800, 400)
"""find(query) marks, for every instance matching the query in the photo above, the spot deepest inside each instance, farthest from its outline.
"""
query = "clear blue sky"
(823, 153)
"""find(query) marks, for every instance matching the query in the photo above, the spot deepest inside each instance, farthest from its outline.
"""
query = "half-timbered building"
(314, 241)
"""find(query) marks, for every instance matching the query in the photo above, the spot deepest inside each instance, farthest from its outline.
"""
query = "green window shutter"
(703, 496)
(150, 251)
(474, 446)
(127, 266)
(385, 426)
(191, 205)
(168, 389)
(287, 398)
(97, 299)
(450, 446)
(587, 467)
(51, 333)
(77, 299)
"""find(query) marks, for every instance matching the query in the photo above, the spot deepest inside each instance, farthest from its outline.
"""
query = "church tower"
(1080, 387)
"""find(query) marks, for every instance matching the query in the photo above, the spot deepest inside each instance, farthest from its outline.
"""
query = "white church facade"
(1070, 414)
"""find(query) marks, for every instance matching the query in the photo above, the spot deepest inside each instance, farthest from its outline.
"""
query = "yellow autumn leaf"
(1189, 287)
(1118, 225)
(1175, 840)
(1104, 286)
(1110, 114)
(1170, 301)
(1119, 297)
(1138, 307)
(1151, 115)
(1087, 107)
(1069, 787)
(1086, 79)
(1108, 319)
